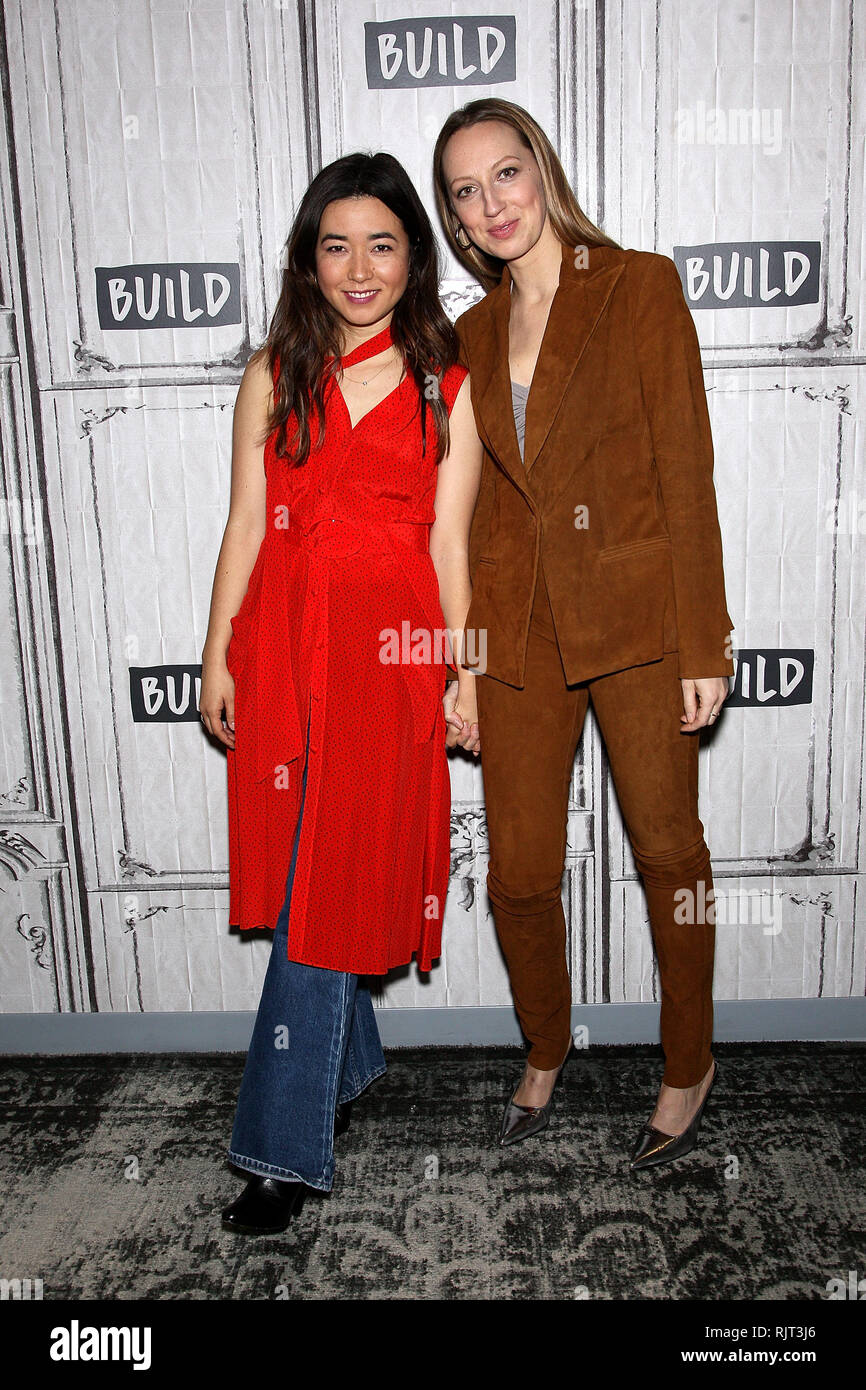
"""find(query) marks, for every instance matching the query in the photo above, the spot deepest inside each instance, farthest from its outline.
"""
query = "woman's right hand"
(461, 717)
(217, 694)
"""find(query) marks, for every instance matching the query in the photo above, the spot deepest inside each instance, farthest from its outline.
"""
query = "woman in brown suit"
(596, 563)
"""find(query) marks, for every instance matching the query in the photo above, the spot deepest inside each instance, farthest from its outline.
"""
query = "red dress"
(342, 596)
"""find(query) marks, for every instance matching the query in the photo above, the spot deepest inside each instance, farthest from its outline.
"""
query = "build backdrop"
(153, 154)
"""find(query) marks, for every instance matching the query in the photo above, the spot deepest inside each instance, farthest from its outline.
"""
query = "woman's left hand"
(702, 702)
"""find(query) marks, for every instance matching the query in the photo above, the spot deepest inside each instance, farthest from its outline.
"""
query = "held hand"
(702, 702)
(461, 717)
(218, 694)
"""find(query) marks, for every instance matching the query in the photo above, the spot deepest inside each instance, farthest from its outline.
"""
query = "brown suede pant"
(528, 742)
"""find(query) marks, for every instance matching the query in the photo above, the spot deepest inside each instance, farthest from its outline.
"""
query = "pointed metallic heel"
(522, 1121)
(654, 1147)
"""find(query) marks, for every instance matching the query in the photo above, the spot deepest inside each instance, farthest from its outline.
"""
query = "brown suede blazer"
(615, 493)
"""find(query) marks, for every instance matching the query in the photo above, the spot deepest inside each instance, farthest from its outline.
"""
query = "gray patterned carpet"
(114, 1173)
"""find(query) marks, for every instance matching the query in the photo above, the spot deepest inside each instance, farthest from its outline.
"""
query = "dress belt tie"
(342, 536)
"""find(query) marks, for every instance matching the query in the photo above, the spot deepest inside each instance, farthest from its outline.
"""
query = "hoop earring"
(465, 245)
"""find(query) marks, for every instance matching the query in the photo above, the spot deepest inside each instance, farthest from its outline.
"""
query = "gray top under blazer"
(519, 396)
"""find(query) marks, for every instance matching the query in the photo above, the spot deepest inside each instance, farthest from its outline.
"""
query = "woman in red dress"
(355, 470)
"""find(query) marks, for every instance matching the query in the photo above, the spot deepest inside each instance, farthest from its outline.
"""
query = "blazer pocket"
(485, 560)
(615, 552)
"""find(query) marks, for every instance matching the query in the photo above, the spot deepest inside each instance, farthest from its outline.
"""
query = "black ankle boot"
(342, 1116)
(265, 1206)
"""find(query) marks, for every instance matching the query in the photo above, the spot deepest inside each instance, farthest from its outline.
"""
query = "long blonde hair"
(569, 221)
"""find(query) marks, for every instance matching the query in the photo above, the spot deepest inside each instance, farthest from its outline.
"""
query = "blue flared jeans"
(315, 1044)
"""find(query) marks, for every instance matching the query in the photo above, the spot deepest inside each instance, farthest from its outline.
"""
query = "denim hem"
(373, 1076)
(270, 1170)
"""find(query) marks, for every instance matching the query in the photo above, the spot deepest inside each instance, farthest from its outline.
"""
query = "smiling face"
(495, 188)
(362, 261)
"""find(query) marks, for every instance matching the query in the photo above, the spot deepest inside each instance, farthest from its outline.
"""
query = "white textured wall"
(149, 133)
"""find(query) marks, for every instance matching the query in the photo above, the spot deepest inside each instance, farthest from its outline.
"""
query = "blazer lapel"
(491, 383)
(574, 314)
(575, 311)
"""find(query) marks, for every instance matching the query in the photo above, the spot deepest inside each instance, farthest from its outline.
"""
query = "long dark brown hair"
(569, 221)
(305, 328)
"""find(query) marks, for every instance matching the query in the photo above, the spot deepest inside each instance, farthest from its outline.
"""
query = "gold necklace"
(368, 379)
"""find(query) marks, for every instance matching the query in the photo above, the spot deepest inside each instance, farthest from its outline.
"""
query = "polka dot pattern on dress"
(342, 626)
